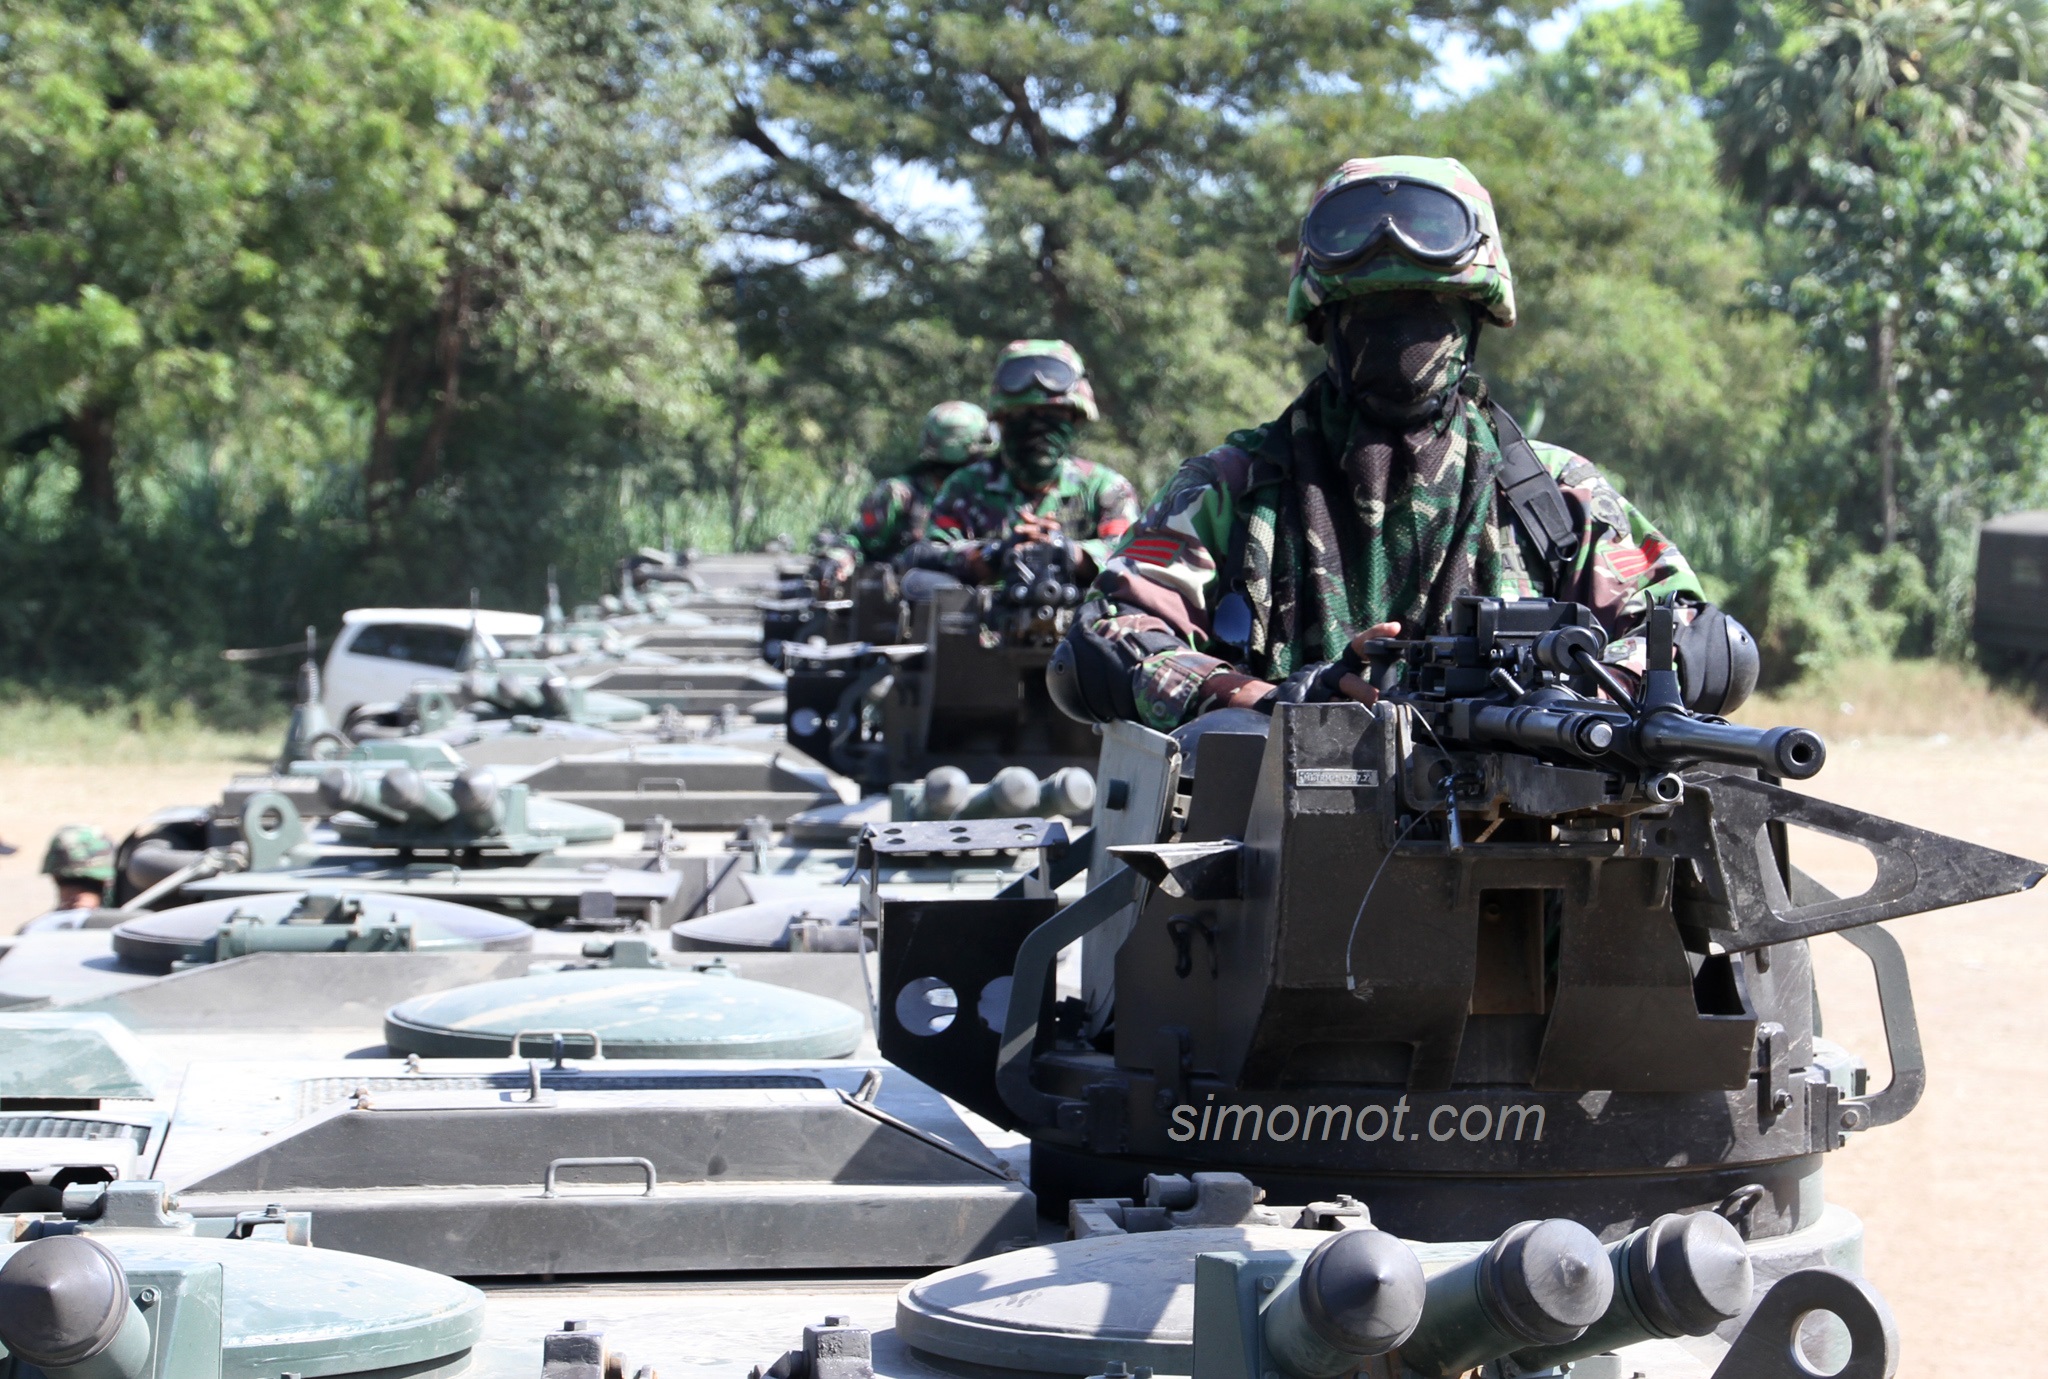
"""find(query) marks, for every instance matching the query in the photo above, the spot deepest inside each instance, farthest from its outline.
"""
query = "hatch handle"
(646, 1167)
(555, 1037)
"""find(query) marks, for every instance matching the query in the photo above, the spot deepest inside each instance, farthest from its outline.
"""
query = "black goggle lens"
(1042, 372)
(1429, 219)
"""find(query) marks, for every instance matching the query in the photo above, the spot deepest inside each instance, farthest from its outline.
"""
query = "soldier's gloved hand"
(1315, 683)
(1324, 681)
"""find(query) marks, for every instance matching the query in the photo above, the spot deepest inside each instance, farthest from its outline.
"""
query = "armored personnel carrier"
(1472, 1031)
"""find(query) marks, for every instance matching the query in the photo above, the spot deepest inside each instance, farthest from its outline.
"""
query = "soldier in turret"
(80, 861)
(1390, 486)
(1036, 488)
(897, 511)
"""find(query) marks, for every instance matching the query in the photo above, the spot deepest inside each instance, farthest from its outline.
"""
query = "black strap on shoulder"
(1533, 495)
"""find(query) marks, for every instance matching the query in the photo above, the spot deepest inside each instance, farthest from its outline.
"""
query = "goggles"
(1040, 372)
(1420, 219)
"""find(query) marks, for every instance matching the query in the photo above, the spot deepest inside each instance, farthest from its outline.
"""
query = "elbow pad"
(1718, 662)
(924, 555)
(1089, 679)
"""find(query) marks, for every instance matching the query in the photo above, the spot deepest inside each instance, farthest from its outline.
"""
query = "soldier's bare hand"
(1374, 633)
(1352, 687)
(1034, 527)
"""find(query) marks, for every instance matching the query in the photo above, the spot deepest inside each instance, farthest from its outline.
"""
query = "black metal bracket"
(1916, 870)
(1035, 958)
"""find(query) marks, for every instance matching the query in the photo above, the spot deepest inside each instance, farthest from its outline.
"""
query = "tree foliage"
(310, 305)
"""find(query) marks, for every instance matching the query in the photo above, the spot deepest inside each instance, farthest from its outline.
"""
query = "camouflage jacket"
(897, 511)
(1094, 503)
(1158, 590)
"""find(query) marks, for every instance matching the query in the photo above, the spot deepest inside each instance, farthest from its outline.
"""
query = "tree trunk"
(1887, 438)
(736, 483)
(91, 434)
(378, 476)
(450, 339)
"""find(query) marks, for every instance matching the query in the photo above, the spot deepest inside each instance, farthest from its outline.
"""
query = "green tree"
(1131, 175)
(198, 199)
(1637, 343)
(1801, 89)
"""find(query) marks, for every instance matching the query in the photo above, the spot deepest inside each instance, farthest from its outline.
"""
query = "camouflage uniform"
(897, 511)
(982, 501)
(1434, 528)
(1094, 503)
(1163, 578)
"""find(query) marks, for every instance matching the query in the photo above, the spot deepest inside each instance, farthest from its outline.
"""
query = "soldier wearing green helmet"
(897, 511)
(1036, 489)
(80, 860)
(1392, 485)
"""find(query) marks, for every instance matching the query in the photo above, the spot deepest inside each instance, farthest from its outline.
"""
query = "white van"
(381, 653)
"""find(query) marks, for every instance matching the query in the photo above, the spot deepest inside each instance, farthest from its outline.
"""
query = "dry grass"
(46, 733)
(1893, 699)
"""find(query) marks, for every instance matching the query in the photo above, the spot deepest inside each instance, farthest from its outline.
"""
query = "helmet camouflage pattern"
(954, 433)
(79, 852)
(1485, 280)
(1080, 397)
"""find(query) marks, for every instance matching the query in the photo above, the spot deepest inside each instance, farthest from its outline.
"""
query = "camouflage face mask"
(1399, 352)
(1034, 444)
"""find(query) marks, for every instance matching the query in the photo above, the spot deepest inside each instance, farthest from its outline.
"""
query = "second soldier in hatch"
(897, 511)
(1388, 488)
(1035, 488)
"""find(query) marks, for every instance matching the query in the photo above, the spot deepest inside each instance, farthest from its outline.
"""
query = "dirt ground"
(36, 799)
(1953, 1197)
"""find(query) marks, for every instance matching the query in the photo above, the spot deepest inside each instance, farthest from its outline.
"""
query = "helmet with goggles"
(1041, 373)
(954, 433)
(1401, 224)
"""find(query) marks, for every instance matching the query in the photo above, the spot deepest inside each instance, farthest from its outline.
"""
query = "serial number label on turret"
(1331, 778)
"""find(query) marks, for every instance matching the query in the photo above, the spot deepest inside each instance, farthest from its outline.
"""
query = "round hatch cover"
(1074, 1307)
(634, 1012)
(297, 1309)
(160, 938)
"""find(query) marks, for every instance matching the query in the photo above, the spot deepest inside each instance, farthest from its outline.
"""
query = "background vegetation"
(350, 301)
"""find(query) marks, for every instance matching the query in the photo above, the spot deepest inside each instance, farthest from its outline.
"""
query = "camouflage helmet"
(79, 852)
(1046, 388)
(1483, 279)
(954, 433)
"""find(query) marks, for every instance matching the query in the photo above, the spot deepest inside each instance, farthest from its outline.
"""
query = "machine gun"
(1490, 948)
(1527, 674)
(1038, 586)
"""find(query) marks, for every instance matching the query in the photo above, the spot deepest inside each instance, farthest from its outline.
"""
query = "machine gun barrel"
(1581, 732)
(1672, 738)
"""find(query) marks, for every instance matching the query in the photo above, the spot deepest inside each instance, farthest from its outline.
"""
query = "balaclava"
(1035, 441)
(1400, 355)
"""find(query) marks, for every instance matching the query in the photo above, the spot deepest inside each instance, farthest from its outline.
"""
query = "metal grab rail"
(557, 1036)
(646, 1167)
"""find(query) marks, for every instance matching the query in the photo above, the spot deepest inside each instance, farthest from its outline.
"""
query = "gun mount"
(966, 689)
(1036, 589)
(1330, 974)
